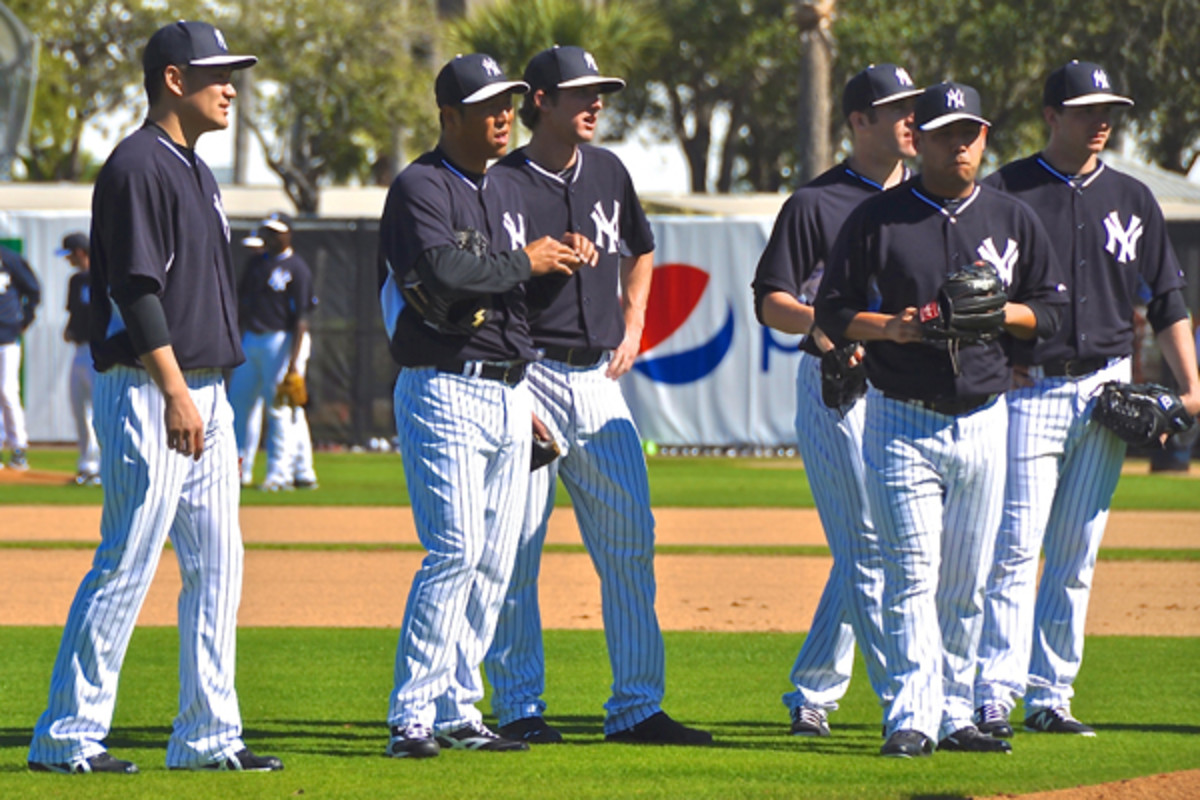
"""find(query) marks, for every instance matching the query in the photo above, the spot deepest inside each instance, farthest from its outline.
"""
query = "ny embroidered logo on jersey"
(221, 213)
(279, 280)
(607, 227)
(1002, 262)
(516, 230)
(1122, 241)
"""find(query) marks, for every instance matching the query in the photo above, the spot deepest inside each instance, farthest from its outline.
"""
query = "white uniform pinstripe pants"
(252, 389)
(151, 492)
(849, 609)
(465, 447)
(936, 487)
(604, 471)
(83, 375)
(1062, 472)
(12, 413)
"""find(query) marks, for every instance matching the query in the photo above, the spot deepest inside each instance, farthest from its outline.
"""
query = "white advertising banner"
(709, 373)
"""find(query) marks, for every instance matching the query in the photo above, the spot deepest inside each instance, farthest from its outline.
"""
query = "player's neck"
(462, 157)
(551, 153)
(946, 188)
(886, 170)
(173, 126)
(1068, 160)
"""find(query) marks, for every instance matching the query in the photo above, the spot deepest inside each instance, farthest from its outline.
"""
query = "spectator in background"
(76, 249)
(19, 297)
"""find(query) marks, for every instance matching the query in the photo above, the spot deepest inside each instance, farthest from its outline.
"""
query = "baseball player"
(1109, 234)
(878, 106)
(588, 328)
(934, 420)
(453, 259)
(163, 330)
(20, 294)
(75, 249)
(275, 298)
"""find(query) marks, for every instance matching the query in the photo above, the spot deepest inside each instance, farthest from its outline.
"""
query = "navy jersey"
(427, 205)
(79, 303)
(899, 247)
(275, 292)
(20, 294)
(595, 198)
(804, 233)
(1110, 237)
(158, 221)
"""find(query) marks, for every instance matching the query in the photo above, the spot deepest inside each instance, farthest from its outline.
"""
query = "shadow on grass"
(1180, 730)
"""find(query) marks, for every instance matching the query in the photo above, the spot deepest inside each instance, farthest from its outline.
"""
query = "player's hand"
(1191, 402)
(903, 328)
(540, 431)
(185, 427)
(585, 250)
(548, 256)
(625, 354)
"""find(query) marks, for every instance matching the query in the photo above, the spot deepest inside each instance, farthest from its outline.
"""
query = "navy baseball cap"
(877, 85)
(568, 67)
(472, 79)
(947, 102)
(72, 242)
(195, 44)
(252, 240)
(278, 222)
(1081, 83)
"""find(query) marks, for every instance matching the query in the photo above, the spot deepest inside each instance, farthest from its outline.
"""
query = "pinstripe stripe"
(849, 608)
(604, 471)
(465, 448)
(251, 391)
(1062, 473)
(151, 492)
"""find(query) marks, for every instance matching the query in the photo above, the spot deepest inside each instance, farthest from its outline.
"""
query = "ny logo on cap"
(220, 37)
(902, 77)
(955, 99)
(1100, 79)
(591, 62)
(491, 67)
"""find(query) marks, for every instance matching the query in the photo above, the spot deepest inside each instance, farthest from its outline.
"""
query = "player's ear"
(175, 80)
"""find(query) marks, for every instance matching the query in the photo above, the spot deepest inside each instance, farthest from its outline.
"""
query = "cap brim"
(947, 119)
(253, 241)
(602, 84)
(233, 62)
(493, 89)
(63, 251)
(1098, 99)
(898, 96)
(275, 225)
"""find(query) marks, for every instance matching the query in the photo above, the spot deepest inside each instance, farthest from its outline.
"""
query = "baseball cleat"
(477, 736)
(992, 719)
(275, 486)
(970, 740)
(412, 741)
(102, 762)
(660, 729)
(907, 743)
(241, 761)
(534, 730)
(87, 479)
(1056, 720)
(18, 461)
(809, 721)
(305, 484)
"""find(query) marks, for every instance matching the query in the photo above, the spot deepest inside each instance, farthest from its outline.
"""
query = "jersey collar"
(554, 176)
(904, 175)
(1073, 180)
(963, 206)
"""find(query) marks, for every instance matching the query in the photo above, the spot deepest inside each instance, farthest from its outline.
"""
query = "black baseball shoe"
(534, 730)
(477, 736)
(907, 743)
(241, 761)
(660, 729)
(992, 719)
(808, 721)
(970, 740)
(1056, 720)
(102, 762)
(412, 741)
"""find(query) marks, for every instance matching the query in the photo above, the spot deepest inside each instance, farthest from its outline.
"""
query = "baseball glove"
(842, 384)
(1141, 413)
(292, 391)
(447, 311)
(969, 306)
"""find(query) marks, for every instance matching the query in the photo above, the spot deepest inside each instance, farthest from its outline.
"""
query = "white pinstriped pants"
(83, 375)
(1062, 472)
(465, 447)
(252, 389)
(604, 471)
(936, 488)
(849, 609)
(151, 493)
(12, 413)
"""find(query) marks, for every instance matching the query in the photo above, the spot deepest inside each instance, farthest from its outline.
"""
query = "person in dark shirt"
(1110, 237)
(75, 248)
(935, 412)
(20, 294)
(163, 331)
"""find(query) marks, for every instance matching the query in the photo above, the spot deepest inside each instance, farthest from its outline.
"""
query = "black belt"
(950, 406)
(576, 356)
(1075, 368)
(511, 373)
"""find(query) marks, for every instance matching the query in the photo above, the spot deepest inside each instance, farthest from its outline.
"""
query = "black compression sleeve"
(146, 323)
(1047, 318)
(1166, 309)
